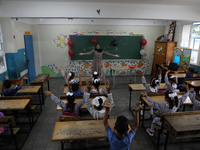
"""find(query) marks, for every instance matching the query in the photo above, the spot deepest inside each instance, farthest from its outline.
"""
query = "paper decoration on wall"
(47, 70)
(117, 33)
(61, 41)
(110, 32)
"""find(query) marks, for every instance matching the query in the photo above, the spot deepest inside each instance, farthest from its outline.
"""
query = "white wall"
(47, 53)
(11, 28)
(7, 31)
(19, 31)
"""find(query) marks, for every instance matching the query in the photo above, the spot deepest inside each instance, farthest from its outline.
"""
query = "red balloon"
(94, 40)
(143, 42)
(70, 42)
(71, 52)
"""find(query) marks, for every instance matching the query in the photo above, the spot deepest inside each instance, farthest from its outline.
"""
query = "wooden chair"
(9, 122)
(67, 118)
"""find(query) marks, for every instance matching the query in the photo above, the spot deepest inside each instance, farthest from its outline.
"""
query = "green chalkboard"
(128, 46)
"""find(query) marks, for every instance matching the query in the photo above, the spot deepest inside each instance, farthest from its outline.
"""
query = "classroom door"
(29, 56)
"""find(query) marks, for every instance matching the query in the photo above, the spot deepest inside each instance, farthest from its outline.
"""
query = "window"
(191, 39)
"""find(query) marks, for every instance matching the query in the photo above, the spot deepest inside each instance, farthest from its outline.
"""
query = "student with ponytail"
(171, 82)
(154, 85)
(97, 111)
(70, 109)
(171, 106)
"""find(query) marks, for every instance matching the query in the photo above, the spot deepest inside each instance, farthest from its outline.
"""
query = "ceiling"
(153, 2)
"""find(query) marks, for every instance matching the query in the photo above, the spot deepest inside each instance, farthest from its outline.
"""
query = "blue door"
(29, 56)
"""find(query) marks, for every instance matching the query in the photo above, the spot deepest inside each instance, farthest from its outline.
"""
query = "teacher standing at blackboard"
(98, 53)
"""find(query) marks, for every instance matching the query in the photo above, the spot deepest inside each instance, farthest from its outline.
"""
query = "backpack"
(173, 66)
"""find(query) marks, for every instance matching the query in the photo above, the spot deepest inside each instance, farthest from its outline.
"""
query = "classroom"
(133, 58)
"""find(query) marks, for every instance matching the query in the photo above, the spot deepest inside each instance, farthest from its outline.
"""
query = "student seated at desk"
(98, 111)
(6, 89)
(189, 74)
(70, 108)
(95, 74)
(69, 78)
(171, 106)
(154, 85)
(122, 135)
(171, 82)
(195, 101)
(96, 90)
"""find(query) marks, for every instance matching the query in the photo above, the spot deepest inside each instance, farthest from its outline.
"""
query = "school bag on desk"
(173, 66)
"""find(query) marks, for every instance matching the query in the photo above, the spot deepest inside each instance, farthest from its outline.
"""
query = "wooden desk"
(182, 125)
(82, 88)
(114, 69)
(17, 104)
(58, 108)
(41, 80)
(182, 75)
(80, 130)
(160, 99)
(32, 90)
(140, 87)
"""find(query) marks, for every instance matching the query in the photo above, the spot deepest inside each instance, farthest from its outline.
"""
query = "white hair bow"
(70, 74)
(173, 77)
(95, 101)
(69, 94)
(96, 80)
(95, 73)
(172, 95)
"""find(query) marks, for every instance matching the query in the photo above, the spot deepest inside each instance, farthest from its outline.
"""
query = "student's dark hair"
(154, 82)
(173, 101)
(72, 76)
(70, 100)
(7, 84)
(96, 83)
(121, 125)
(100, 104)
(173, 80)
(75, 87)
(191, 70)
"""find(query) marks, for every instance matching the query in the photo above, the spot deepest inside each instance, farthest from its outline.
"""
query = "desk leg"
(40, 100)
(62, 145)
(30, 117)
(143, 115)
(42, 95)
(130, 98)
(158, 141)
(48, 85)
(166, 140)
(114, 77)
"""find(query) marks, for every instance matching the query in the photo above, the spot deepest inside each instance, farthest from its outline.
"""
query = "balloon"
(114, 43)
(71, 52)
(168, 40)
(70, 42)
(143, 42)
(94, 40)
(142, 52)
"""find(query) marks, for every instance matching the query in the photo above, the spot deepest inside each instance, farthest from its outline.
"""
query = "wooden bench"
(9, 122)
(66, 118)
(66, 88)
(78, 99)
